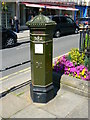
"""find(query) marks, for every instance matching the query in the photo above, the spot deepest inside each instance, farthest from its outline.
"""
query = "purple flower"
(66, 69)
(78, 73)
(73, 75)
(67, 73)
(69, 68)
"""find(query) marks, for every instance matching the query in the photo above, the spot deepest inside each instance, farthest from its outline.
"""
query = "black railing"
(84, 43)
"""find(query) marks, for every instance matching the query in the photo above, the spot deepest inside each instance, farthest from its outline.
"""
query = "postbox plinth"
(41, 94)
(41, 47)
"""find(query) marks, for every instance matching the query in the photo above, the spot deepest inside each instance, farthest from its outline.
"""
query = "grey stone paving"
(89, 108)
(33, 112)
(23, 93)
(26, 96)
(11, 104)
(0, 118)
(22, 89)
(64, 104)
(80, 111)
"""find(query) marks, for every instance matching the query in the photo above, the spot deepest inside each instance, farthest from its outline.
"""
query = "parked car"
(65, 25)
(83, 22)
(8, 37)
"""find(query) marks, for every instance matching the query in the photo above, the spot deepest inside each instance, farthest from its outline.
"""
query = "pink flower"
(62, 64)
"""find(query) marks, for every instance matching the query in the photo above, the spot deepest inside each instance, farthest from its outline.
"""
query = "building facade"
(84, 8)
(5, 15)
(22, 11)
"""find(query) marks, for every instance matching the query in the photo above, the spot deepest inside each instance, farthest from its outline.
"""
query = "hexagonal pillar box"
(41, 48)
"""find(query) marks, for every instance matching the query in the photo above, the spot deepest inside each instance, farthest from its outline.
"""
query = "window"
(63, 20)
(56, 19)
(69, 21)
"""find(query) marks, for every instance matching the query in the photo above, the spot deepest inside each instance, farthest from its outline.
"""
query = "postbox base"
(41, 94)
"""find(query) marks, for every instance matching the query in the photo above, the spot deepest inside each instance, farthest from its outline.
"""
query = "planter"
(75, 85)
(74, 64)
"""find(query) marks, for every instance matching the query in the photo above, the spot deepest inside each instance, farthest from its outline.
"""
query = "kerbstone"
(2, 89)
(62, 105)
(10, 104)
(33, 112)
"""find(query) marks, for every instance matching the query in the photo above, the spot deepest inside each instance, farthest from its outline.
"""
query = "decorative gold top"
(40, 21)
(40, 10)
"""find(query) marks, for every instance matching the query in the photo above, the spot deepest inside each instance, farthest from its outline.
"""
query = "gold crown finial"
(40, 10)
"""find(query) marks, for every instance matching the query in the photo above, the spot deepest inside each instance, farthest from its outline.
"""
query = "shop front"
(26, 13)
(6, 15)
(26, 10)
(48, 9)
(83, 12)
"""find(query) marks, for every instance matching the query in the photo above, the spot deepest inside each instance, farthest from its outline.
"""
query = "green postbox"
(41, 47)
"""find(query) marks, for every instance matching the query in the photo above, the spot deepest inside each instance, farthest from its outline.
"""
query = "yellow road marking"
(6, 77)
(24, 70)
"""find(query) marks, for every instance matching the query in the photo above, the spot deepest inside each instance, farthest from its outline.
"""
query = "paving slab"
(61, 92)
(26, 96)
(33, 112)
(23, 93)
(21, 90)
(62, 105)
(10, 104)
(80, 111)
(0, 118)
(89, 108)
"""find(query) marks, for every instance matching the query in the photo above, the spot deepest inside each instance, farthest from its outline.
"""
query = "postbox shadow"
(56, 81)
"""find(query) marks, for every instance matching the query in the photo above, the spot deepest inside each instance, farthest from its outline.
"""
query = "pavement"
(66, 104)
(17, 103)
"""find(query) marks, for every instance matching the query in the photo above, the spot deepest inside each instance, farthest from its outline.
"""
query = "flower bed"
(74, 64)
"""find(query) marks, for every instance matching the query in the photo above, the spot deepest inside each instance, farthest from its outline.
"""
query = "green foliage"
(68, 57)
(76, 57)
(84, 47)
(86, 39)
(4, 7)
(87, 62)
